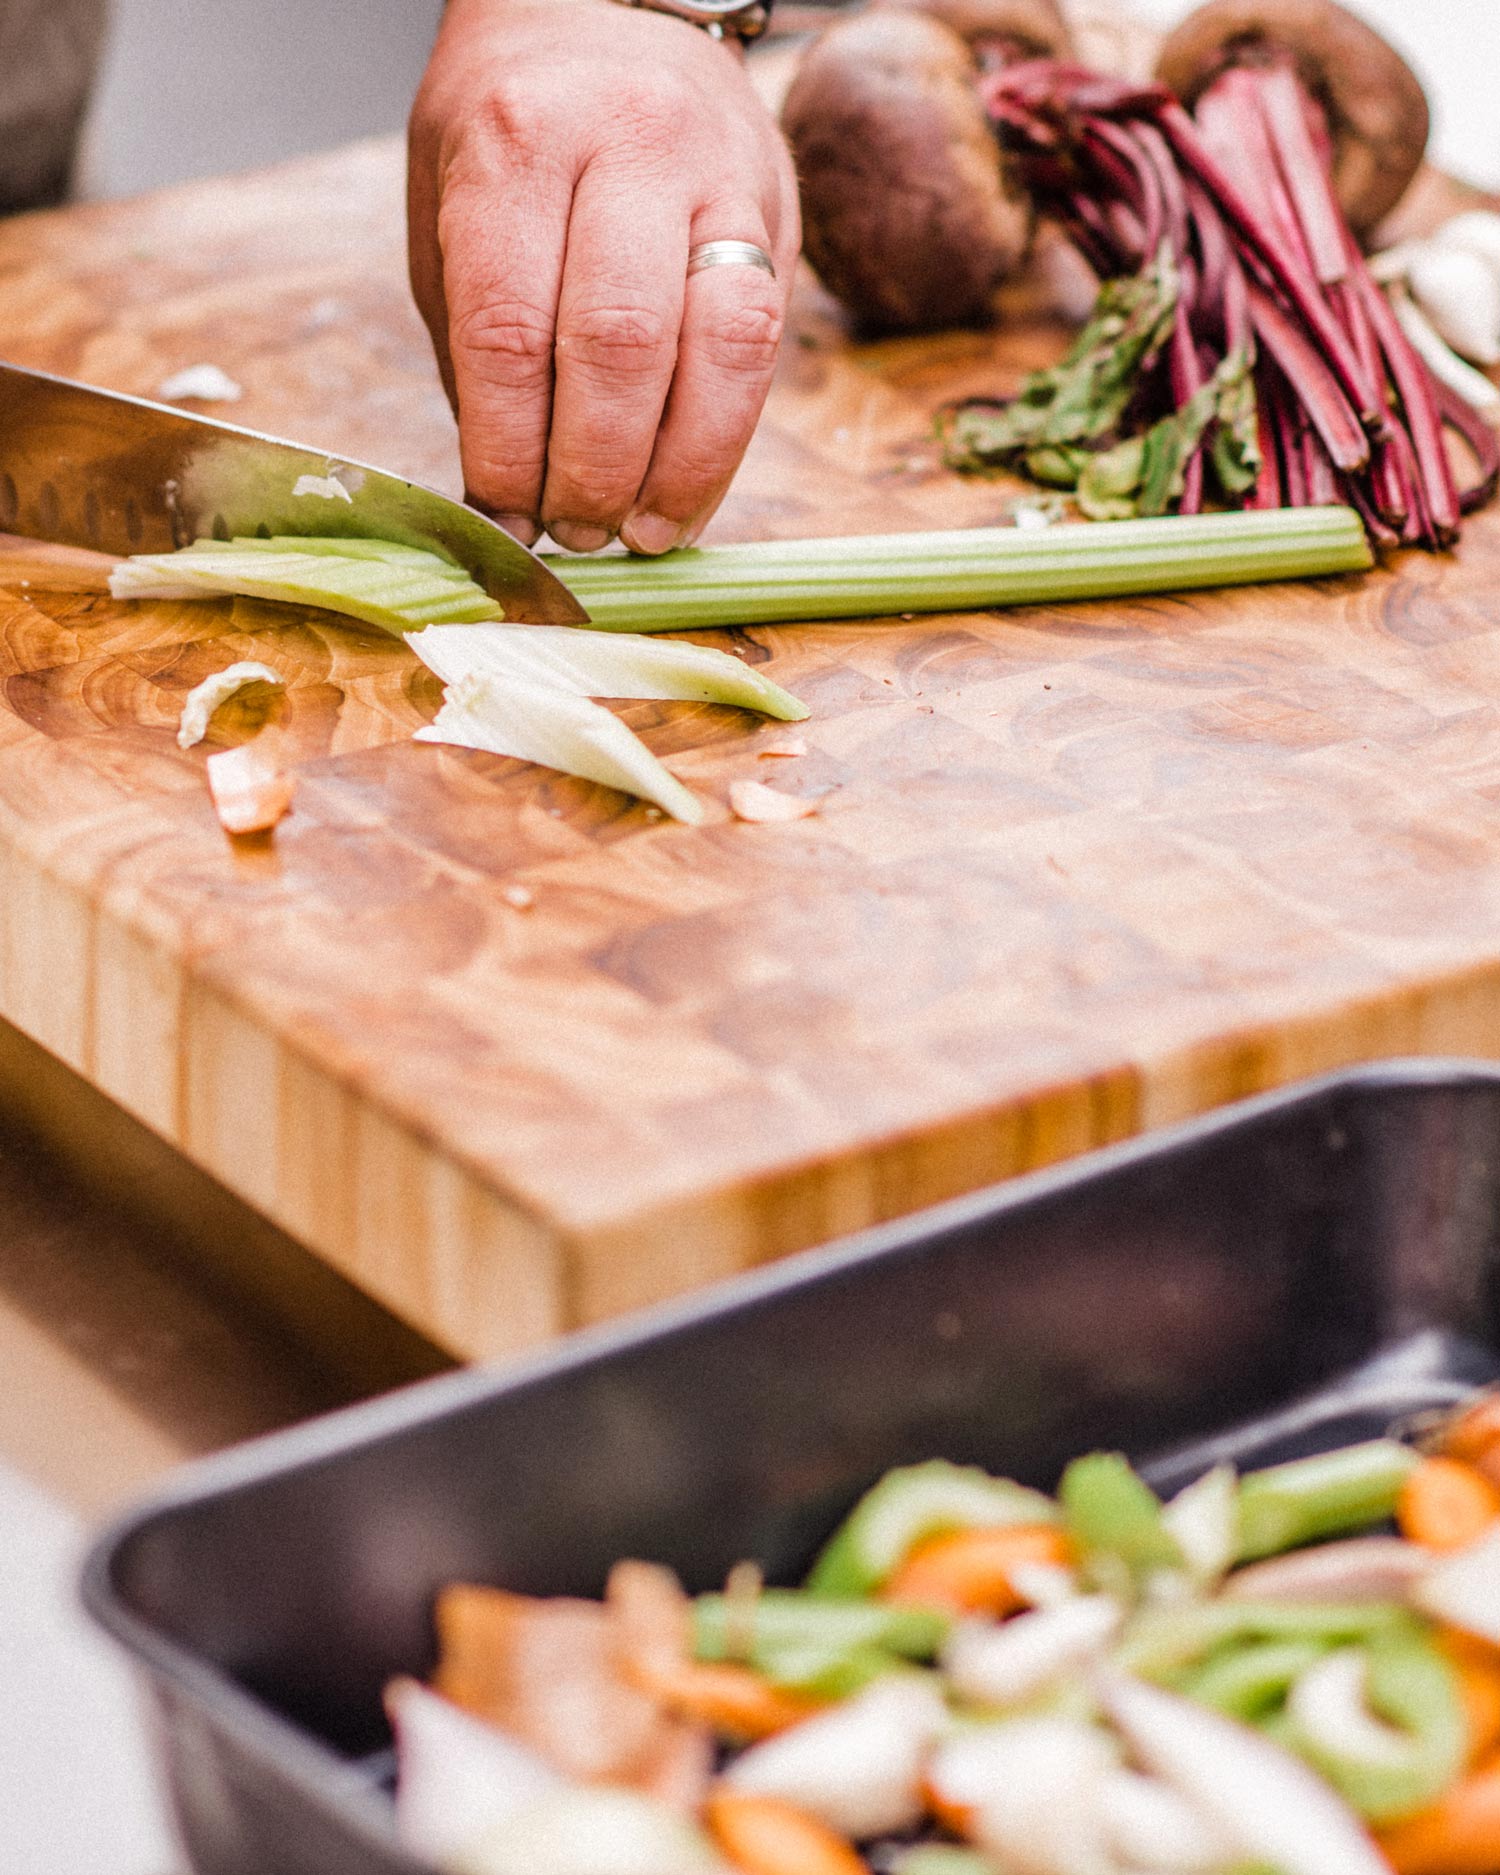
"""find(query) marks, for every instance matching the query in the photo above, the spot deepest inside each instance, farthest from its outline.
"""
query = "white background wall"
(196, 87)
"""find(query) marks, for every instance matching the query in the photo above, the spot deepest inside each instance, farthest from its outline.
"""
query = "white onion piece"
(1003, 1663)
(1460, 294)
(1043, 1584)
(1391, 263)
(592, 1831)
(1042, 1812)
(1464, 1588)
(1270, 1805)
(1477, 232)
(1365, 1568)
(1151, 1826)
(1327, 1703)
(457, 1778)
(203, 699)
(1202, 1520)
(859, 1766)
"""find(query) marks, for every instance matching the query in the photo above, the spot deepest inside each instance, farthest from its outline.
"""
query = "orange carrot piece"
(1446, 1504)
(1477, 1664)
(764, 1836)
(1475, 1433)
(969, 1571)
(1457, 1835)
(733, 1701)
(956, 1817)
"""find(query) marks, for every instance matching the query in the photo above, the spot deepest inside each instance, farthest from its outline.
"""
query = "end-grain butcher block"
(515, 1053)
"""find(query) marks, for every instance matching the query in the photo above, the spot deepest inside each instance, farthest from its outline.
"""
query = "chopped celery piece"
(817, 1671)
(907, 1506)
(1329, 1495)
(338, 547)
(792, 1625)
(940, 1858)
(203, 699)
(540, 723)
(1385, 1725)
(377, 582)
(1247, 1679)
(1112, 1513)
(770, 581)
(595, 664)
(1162, 1642)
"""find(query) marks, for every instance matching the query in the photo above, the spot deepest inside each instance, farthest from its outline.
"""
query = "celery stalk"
(378, 582)
(541, 723)
(767, 582)
(590, 664)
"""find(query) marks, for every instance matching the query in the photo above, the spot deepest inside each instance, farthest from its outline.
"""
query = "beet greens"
(1239, 346)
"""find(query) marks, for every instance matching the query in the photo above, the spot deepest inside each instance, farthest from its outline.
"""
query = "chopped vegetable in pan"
(1291, 1672)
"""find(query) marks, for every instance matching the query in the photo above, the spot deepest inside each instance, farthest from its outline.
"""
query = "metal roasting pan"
(1288, 1274)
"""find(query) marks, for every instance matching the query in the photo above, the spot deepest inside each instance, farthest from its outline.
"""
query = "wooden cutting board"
(1075, 871)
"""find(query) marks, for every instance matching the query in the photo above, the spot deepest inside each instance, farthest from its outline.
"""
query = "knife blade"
(93, 468)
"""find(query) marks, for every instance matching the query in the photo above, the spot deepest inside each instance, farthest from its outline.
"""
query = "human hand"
(564, 157)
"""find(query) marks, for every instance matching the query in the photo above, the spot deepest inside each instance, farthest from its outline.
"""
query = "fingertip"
(652, 533)
(520, 527)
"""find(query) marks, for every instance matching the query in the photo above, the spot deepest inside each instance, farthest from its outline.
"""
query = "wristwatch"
(724, 19)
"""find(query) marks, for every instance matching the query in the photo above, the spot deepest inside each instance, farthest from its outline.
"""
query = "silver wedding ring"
(729, 254)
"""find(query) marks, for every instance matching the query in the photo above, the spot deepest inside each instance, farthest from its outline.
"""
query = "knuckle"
(745, 341)
(618, 340)
(506, 345)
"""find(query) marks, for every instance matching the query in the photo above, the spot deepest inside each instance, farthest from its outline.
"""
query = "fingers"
(731, 331)
(502, 243)
(618, 318)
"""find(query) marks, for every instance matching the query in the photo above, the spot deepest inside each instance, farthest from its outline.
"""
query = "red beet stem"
(1267, 490)
(1234, 132)
(1478, 433)
(1312, 382)
(1272, 255)
(1116, 152)
(1413, 383)
(1284, 106)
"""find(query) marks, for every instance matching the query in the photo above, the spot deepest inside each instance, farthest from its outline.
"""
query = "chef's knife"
(94, 468)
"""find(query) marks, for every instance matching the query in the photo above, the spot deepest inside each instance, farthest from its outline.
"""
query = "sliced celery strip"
(766, 582)
(806, 1644)
(1415, 1746)
(910, 1504)
(1164, 1642)
(377, 582)
(541, 723)
(1112, 1513)
(1328, 1495)
(1247, 1679)
(590, 664)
